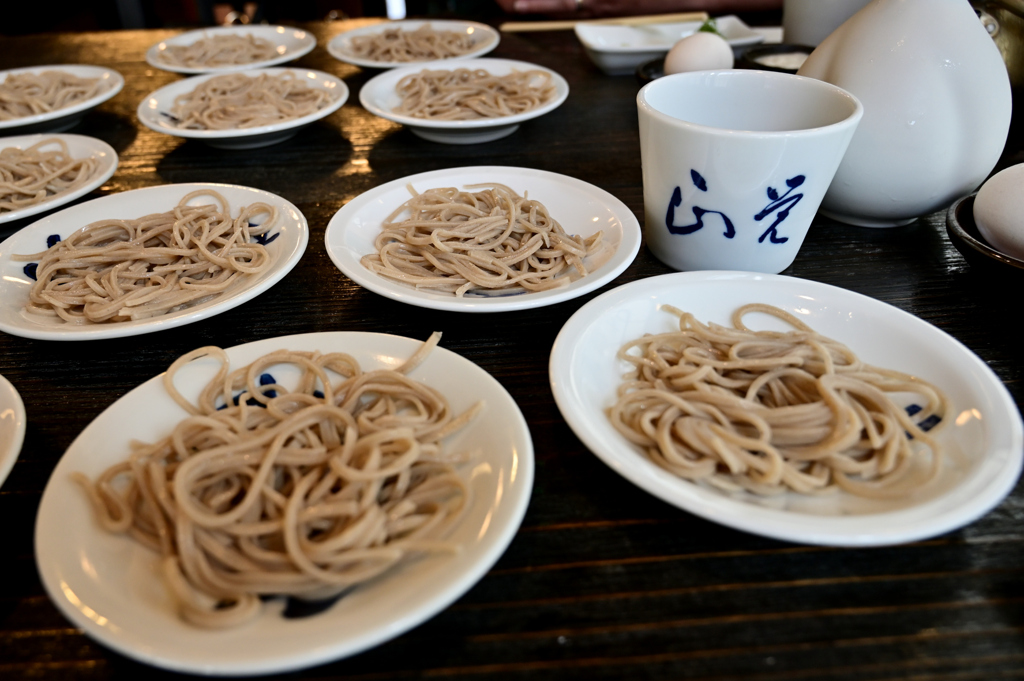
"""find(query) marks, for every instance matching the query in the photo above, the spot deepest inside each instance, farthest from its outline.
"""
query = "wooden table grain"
(602, 581)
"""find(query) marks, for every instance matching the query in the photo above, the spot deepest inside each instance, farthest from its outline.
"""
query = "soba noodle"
(40, 172)
(423, 44)
(219, 50)
(237, 101)
(31, 94)
(123, 270)
(465, 94)
(304, 492)
(460, 241)
(770, 412)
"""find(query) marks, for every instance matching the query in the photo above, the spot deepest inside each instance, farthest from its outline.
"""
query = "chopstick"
(528, 26)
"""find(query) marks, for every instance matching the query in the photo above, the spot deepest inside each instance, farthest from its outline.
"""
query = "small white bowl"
(485, 39)
(79, 146)
(12, 427)
(62, 119)
(380, 97)
(290, 44)
(154, 111)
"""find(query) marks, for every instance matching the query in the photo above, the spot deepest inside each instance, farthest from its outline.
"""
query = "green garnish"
(709, 26)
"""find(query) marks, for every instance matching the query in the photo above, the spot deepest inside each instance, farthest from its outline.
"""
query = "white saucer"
(984, 439)
(12, 427)
(155, 111)
(79, 147)
(107, 584)
(581, 208)
(290, 44)
(63, 119)
(285, 249)
(379, 97)
(485, 39)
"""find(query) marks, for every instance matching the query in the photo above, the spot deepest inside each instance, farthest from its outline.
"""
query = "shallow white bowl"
(79, 147)
(618, 50)
(109, 586)
(379, 97)
(485, 39)
(580, 208)
(62, 119)
(285, 249)
(984, 440)
(290, 44)
(12, 427)
(155, 111)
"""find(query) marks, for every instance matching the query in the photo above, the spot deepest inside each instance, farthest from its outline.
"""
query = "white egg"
(999, 211)
(700, 51)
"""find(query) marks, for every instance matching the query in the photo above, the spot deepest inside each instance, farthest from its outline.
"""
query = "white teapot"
(937, 108)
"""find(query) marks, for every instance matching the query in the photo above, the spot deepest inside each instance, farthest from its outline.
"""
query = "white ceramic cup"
(808, 22)
(735, 164)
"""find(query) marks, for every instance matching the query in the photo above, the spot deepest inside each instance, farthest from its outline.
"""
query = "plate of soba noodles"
(399, 43)
(40, 172)
(483, 239)
(787, 408)
(243, 109)
(146, 260)
(230, 48)
(465, 101)
(53, 98)
(385, 477)
(12, 426)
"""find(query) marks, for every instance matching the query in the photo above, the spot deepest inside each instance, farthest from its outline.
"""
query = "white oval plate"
(62, 119)
(485, 39)
(79, 147)
(12, 427)
(285, 249)
(154, 111)
(379, 97)
(291, 43)
(109, 586)
(984, 440)
(581, 208)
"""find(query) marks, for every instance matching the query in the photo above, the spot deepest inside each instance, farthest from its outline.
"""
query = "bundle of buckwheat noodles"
(422, 44)
(122, 270)
(770, 412)
(303, 492)
(237, 101)
(467, 94)
(40, 172)
(460, 241)
(31, 94)
(219, 50)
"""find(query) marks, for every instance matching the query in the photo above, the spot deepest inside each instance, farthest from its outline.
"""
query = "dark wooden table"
(602, 581)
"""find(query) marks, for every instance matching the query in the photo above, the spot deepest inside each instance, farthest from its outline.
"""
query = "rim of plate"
(134, 616)
(337, 44)
(590, 35)
(80, 70)
(304, 42)
(76, 145)
(11, 408)
(963, 499)
(154, 104)
(347, 224)
(290, 246)
(378, 95)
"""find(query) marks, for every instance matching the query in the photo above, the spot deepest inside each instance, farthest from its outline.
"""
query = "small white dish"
(12, 427)
(109, 586)
(285, 249)
(984, 438)
(484, 37)
(289, 43)
(155, 111)
(380, 97)
(62, 119)
(580, 208)
(618, 50)
(79, 147)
